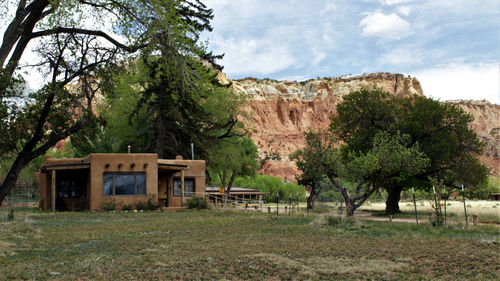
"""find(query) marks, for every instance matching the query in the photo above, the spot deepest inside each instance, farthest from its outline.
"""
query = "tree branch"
(58, 30)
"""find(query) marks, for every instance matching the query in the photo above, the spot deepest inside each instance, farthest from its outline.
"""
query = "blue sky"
(451, 46)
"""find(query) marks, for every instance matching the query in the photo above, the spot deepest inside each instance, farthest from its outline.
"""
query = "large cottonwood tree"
(440, 130)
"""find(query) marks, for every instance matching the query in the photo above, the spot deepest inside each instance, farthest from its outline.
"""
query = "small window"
(124, 184)
(188, 187)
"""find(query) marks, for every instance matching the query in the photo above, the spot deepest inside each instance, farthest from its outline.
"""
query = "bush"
(197, 203)
(109, 205)
(272, 185)
(127, 207)
(484, 191)
(151, 205)
(10, 215)
(140, 206)
(337, 221)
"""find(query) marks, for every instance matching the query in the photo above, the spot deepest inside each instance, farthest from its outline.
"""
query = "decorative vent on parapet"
(146, 165)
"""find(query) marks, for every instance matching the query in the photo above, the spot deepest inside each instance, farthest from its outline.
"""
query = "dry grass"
(234, 246)
(487, 211)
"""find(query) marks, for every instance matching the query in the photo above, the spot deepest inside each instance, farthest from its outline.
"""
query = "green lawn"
(224, 245)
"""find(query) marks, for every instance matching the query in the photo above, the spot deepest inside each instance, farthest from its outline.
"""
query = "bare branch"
(58, 30)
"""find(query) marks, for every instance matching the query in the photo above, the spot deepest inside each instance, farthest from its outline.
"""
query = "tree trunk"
(392, 203)
(349, 208)
(11, 179)
(310, 201)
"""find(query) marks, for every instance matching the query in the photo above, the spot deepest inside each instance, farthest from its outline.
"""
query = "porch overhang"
(163, 167)
(68, 166)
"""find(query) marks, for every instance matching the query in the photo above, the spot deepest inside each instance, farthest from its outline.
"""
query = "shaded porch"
(171, 185)
(67, 186)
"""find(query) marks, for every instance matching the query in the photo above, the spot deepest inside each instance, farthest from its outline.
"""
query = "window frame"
(113, 181)
(192, 194)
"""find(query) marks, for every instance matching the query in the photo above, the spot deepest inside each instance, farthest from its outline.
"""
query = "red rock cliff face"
(487, 126)
(281, 111)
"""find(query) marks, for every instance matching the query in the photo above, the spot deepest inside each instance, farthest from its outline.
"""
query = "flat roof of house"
(86, 165)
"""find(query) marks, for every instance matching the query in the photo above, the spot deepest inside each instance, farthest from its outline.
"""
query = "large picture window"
(124, 183)
(188, 187)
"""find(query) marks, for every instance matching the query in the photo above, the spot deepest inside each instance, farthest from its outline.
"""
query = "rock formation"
(281, 111)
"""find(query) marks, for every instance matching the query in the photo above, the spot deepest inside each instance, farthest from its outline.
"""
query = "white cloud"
(385, 26)
(318, 57)
(253, 56)
(329, 7)
(404, 10)
(462, 81)
(393, 2)
(401, 57)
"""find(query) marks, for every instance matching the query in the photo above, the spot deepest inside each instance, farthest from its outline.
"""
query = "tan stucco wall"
(146, 163)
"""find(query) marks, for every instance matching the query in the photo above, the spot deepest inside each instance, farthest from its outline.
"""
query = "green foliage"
(28, 173)
(389, 162)
(316, 161)
(109, 205)
(127, 207)
(361, 116)
(485, 190)
(340, 221)
(442, 132)
(10, 215)
(231, 158)
(151, 205)
(197, 202)
(141, 206)
(272, 186)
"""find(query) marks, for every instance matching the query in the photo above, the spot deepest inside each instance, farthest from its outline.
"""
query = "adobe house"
(88, 183)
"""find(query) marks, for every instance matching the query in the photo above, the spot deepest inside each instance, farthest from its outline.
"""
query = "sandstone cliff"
(280, 111)
(487, 126)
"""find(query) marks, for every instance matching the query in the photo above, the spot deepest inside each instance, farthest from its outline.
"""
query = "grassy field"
(225, 245)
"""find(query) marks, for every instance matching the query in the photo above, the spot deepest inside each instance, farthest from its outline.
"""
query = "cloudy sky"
(451, 46)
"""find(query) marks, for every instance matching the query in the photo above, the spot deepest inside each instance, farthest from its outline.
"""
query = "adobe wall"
(124, 163)
(196, 171)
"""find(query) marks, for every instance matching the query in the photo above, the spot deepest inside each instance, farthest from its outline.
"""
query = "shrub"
(338, 221)
(127, 207)
(10, 215)
(197, 203)
(272, 185)
(484, 191)
(140, 206)
(109, 205)
(151, 205)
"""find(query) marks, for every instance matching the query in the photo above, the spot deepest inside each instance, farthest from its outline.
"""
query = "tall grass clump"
(198, 203)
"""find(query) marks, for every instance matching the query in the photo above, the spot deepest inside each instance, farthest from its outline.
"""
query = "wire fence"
(22, 195)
